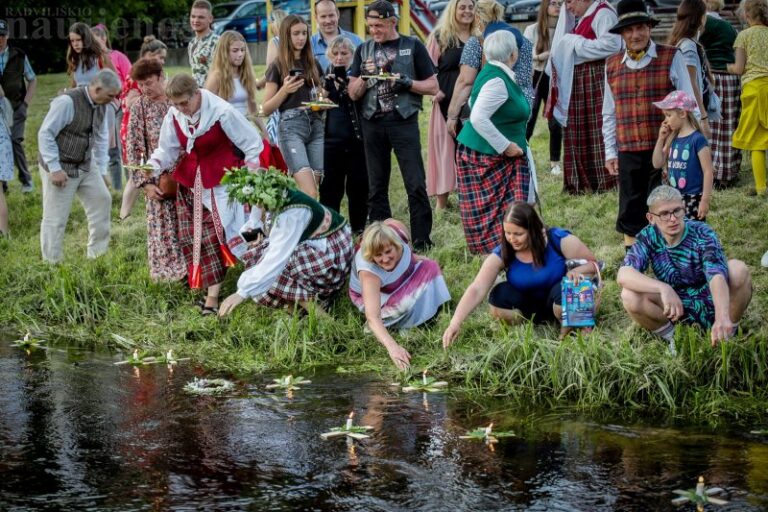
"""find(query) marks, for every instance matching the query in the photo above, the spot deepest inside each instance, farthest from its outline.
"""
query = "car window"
(254, 9)
(224, 10)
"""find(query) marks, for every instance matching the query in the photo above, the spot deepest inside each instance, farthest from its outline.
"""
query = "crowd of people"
(663, 123)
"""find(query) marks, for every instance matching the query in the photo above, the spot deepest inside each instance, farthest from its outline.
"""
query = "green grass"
(619, 368)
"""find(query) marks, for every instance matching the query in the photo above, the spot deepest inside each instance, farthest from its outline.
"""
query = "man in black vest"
(19, 83)
(390, 102)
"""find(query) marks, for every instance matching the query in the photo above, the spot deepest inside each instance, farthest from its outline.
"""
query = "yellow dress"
(752, 132)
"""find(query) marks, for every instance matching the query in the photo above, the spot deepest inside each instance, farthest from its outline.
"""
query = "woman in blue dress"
(533, 259)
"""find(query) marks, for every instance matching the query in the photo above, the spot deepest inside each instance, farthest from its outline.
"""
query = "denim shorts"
(302, 136)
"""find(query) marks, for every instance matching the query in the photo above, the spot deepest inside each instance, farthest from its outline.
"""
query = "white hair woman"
(493, 169)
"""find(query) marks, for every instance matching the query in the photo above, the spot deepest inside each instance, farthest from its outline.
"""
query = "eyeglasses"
(678, 212)
(558, 3)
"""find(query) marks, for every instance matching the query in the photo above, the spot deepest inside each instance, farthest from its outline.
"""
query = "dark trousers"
(541, 80)
(637, 178)
(345, 171)
(380, 137)
(17, 139)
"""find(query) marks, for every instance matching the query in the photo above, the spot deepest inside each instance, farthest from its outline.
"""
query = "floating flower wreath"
(209, 386)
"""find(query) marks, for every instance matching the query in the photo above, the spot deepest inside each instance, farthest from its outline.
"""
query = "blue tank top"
(539, 280)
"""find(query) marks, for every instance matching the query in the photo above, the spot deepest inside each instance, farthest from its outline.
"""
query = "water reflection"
(77, 432)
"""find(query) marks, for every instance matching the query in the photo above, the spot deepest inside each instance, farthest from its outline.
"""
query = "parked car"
(522, 10)
(250, 17)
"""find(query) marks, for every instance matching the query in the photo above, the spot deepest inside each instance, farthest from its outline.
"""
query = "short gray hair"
(339, 42)
(663, 193)
(107, 79)
(500, 46)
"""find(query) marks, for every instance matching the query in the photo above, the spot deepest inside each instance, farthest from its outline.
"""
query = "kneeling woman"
(307, 253)
(394, 287)
(534, 260)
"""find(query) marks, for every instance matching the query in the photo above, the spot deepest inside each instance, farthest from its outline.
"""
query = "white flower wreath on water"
(208, 386)
(263, 187)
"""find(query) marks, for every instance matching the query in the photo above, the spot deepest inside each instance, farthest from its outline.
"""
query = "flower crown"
(263, 187)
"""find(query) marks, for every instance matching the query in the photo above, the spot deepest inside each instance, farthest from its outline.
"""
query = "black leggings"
(537, 307)
(541, 80)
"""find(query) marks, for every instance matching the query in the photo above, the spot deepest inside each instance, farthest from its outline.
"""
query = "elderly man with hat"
(577, 67)
(642, 74)
(390, 73)
(18, 81)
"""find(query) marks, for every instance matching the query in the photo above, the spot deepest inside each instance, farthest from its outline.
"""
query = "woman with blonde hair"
(489, 18)
(445, 45)
(231, 76)
(395, 288)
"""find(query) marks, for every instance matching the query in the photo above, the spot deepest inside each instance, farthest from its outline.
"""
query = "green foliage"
(618, 368)
(264, 188)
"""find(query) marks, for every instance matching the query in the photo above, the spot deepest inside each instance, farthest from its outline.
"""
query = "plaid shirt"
(634, 91)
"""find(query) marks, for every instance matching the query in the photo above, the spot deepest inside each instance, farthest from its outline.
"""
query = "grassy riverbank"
(111, 300)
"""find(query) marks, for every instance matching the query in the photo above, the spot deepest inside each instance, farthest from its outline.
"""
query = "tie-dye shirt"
(687, 267)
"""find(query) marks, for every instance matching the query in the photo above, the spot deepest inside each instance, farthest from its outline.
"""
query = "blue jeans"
(302, 137)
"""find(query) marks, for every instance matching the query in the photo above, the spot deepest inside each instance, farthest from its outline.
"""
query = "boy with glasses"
(694, 283)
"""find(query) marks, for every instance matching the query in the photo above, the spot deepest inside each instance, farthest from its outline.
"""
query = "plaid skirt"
(488, 185)
(726, 160)
(310, 273)
(584, 160)
(212, 266)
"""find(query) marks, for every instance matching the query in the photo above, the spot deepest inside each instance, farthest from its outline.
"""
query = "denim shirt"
(320, 47)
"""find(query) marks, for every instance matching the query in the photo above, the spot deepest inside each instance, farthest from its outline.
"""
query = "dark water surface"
(79, 433)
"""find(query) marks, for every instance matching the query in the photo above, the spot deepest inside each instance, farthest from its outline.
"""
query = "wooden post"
(405, 17)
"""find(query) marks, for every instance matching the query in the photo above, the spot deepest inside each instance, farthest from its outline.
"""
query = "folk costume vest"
(12, 77)
(201, 170)
(406, 103)
(325, 221)
(634, 92)
(506, 119)
(584, 28)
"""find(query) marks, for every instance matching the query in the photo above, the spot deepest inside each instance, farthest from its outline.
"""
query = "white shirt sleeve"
(606, 43)
(681, 79)
(60, 114)
(242, 134)
(492, 95)
(100, 150)
(609, 122)
(283, 239)
(168, 146)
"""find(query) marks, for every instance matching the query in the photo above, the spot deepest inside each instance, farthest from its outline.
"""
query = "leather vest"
(406, 103)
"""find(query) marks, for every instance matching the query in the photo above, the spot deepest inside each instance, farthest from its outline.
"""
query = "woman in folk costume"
(207, 136)
(306, 254)
(577, 70)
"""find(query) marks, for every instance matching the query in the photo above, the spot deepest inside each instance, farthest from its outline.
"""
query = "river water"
(80, 433)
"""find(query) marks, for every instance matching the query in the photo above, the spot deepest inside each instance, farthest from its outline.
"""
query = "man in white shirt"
(580, 46)
(73, 142)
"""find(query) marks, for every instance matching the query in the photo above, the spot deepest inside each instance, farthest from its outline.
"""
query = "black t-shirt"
(304, 93)
(384, 56)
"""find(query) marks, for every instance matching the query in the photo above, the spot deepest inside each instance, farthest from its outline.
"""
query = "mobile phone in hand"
(340, 72)
(296, 72)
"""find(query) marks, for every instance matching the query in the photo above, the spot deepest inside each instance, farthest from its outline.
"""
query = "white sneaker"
(764, 259)
(555, 170)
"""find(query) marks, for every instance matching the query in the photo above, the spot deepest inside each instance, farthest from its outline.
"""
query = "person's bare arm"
(428, 87)
(31, 89)
(212, 83)
(461, 91)
(722, 328)
(693, 73)
(705, 159)
(631, 279)
(737, 68)
(371, 288)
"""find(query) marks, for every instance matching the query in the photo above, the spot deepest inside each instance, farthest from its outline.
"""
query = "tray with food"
(383, 76)
(316, 106)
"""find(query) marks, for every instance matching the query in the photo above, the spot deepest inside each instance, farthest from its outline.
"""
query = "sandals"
(206, 310)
